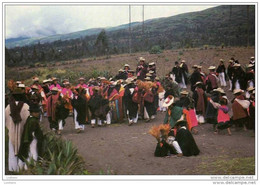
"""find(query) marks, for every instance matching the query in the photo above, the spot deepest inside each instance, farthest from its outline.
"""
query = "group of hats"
(170, 99)
(149, 75)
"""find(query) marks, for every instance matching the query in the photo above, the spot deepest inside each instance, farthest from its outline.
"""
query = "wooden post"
(130, 32)
(143, 20)
(247, 8)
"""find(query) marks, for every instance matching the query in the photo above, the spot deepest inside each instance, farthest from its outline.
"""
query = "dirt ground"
(129, 150)
(124, 150)
(164, 61)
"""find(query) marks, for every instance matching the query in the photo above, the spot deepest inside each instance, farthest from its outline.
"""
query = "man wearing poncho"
(221, 70)
(79, 103)
(195, 77)
(31, 141)
(185, 139)
(211, 79)
(239, 108)
(99, 107)
(130, 105)
(141, 69)
(56, 110)
(16, 114)
(200, 100)
(183, 74)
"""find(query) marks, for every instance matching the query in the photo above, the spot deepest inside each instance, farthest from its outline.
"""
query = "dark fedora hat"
(181, 123)
(34, 108)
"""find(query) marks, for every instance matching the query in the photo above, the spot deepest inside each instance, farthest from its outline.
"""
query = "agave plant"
(59, 158)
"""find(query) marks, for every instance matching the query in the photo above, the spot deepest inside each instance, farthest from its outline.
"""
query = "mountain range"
(24, 41)
(202, 21)
(223, 25)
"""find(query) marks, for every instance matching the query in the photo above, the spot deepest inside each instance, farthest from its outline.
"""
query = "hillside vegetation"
(219, 26)
(108, 67)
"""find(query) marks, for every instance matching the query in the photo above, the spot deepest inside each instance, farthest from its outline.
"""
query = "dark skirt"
(132, 109)
(224, 125)
(149, 108)
(240, 122)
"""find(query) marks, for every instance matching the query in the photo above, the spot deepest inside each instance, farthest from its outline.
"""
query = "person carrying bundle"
(187, 103)
(223, 117)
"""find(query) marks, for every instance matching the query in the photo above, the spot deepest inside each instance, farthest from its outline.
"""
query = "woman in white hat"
(174, 113)
(223, 116)
(187, 103)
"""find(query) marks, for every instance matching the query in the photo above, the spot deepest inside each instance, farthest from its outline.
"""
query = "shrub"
(59, 158)
(155, 50)
(180, 53)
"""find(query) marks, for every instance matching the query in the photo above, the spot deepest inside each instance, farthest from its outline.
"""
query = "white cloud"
(37, 21)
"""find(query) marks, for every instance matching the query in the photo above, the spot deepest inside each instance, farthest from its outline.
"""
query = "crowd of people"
(130, 95)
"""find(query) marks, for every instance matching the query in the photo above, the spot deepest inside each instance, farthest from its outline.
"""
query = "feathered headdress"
(159, 131)
(11, 85)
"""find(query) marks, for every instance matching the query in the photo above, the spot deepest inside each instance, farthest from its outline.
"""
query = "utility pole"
(230, 15)
(143, 19)
(247, 8)
(130, 32)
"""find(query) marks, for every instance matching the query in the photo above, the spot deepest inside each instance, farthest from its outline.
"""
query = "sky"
(40, 21)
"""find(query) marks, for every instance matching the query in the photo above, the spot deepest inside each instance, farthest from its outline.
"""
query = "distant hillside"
(12, 40)
(222, 25)
(20, 42)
